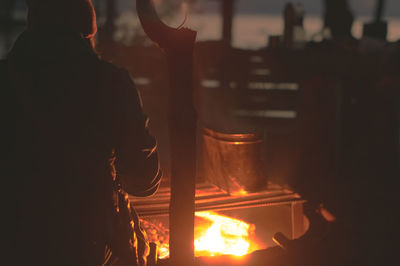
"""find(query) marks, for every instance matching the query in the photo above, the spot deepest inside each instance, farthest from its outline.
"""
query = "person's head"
(77, 15)
(338, 18)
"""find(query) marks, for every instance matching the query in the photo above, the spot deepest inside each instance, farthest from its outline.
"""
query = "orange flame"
(222, 235)
(163, 251)
(215, 234)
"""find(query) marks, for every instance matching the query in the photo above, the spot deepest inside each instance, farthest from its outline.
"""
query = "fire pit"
(226, 224)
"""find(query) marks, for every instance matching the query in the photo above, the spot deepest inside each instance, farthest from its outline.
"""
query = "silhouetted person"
(73, 125)
(338, 18)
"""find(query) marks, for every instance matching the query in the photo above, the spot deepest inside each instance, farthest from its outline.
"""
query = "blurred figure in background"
(338, 19)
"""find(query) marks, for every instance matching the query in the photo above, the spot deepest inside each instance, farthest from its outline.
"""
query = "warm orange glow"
(214, 234)
(222, 235)
(163, 251)
(241, 192)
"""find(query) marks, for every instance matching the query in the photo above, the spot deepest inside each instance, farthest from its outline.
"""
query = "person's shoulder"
(112, 69)
(115, 75)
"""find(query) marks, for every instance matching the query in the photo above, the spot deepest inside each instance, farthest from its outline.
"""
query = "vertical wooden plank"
(182, 122)
(178, 45)
(227, 20)
(379, 10)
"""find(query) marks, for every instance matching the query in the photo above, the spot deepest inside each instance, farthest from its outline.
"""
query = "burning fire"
(215, 234)
(222, 235)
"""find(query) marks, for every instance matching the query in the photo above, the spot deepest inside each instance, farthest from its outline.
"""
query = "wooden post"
(288, 14)
(178, 44)
(379, 10)
(182, 122)
(227, 8)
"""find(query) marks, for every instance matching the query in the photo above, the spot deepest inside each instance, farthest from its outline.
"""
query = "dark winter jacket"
(72, 123)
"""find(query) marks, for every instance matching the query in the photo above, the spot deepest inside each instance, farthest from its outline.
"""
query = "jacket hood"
(47, 46)
(73, 14)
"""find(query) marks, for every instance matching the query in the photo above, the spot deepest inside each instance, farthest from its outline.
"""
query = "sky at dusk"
(362, 8)
(313, 7)
(254, 20)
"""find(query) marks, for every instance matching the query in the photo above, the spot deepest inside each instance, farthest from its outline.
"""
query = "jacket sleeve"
(137, 162)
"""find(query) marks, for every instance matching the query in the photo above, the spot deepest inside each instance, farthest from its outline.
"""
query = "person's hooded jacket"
(73, 124)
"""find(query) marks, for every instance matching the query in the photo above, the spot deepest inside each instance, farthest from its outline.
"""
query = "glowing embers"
(158, 234)
(216, 235)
